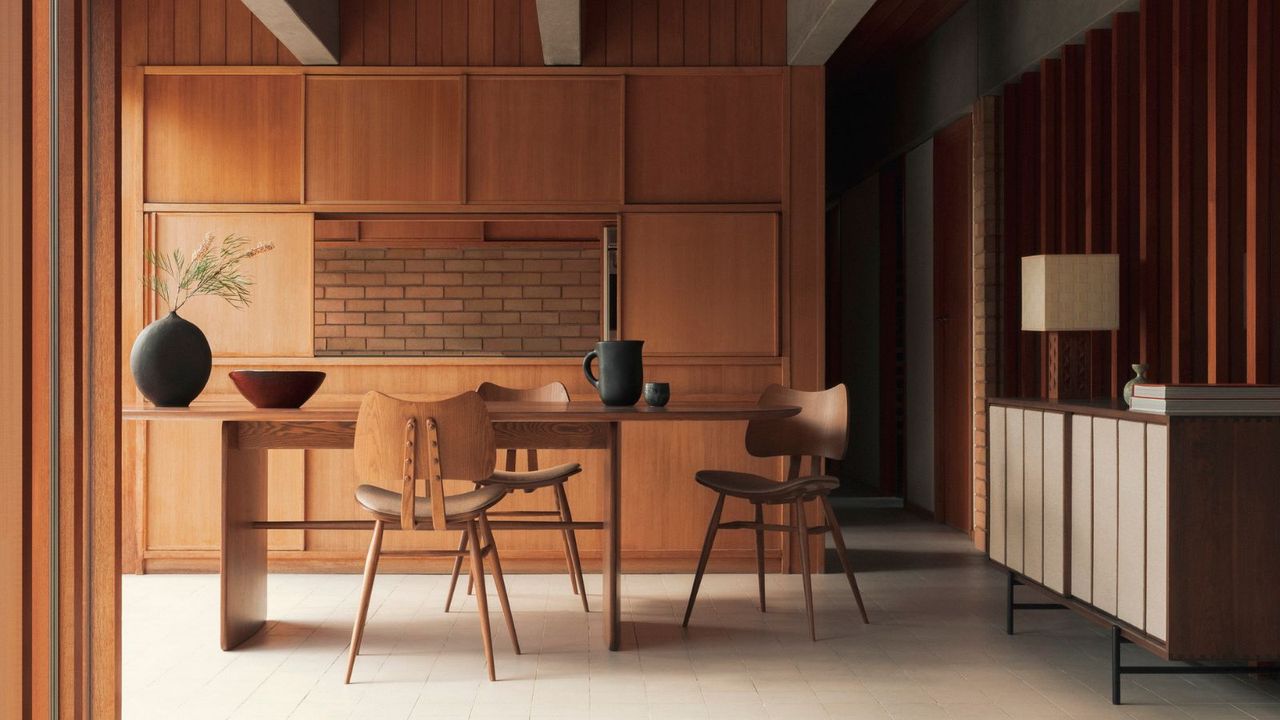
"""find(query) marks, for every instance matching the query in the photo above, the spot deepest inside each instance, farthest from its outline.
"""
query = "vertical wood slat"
(350, 31)
(531, 36)
(1131, 523)
(723, 33)
(773, 25)
(1154, 156)
(427, 47)
(506, 33)
(618, 32)
(644, 32)
(1124, 190)
(1032, 378)
(1262, 191)
(748, 32)
(670, 32)
(1071, 160)
(996, 492)
(186, 32)
(1010, 128)
(1097, 189)
(697, 32)
(403, 41)
(594, 32)
(213, 32)
(453, 32)
(1189, 323)
(1050, 236)
(160, 32)
(480, 32)
(1226, 161)
(377, 32)
(266, 49)
(1055, 501)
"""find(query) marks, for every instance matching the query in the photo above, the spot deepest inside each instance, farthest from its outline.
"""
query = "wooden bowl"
(277, 388)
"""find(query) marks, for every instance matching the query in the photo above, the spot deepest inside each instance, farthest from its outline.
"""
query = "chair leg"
(482, 601)
(571, 546)
(802, 537)
(702, 559)
(838, 536)
(370, 569)
(760, 552)
(457, 567)
(564, 538)
(500, 583)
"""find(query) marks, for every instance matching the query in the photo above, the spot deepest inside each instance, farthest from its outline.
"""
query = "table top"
(584, 412)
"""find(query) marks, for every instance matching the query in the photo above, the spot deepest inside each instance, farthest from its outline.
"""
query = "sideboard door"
(1157, 499)
(1105, 491)
(1082, 507)
(1014, 517)
(1055, 502)
(996, 492)
(1131, 523)
(1033, 495)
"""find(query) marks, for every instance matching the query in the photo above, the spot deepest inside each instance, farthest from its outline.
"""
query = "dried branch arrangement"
(212, 269)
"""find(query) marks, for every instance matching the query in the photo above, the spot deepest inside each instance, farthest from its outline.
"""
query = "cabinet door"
(1014, 507)
(1055, 502)
(1082, 507)
(222, 138)
(384, 139)
(1033, 494)
(1131, 509)
(705, 138)
(700, 283)
(1105, 512)
(278, 321)
(996, 451)
(554, 139)
(1157, 499)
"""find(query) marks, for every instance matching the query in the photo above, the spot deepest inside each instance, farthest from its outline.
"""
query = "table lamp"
(1070, 296)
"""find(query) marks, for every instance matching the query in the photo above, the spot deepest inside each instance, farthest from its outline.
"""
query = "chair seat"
(532, 479)
(762, 489)
(386, 503)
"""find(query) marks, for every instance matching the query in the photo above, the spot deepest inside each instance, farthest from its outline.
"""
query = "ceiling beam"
(560, 24)
(815, 28)
(309, 28)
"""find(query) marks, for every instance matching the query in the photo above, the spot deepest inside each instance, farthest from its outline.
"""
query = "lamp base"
(1068, 365)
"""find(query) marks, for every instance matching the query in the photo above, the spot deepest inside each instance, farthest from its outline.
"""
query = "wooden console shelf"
(1164, 527)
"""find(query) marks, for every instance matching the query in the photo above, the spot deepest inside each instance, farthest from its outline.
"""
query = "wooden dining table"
(249, 432)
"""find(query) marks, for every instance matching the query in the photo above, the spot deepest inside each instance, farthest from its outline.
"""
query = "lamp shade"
(1070, 292)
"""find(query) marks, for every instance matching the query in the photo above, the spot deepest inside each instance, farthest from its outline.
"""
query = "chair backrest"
(820, 429)
(551, 392)
(399, 442)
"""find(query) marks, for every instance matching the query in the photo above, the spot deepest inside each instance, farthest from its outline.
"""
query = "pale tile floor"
(936, 648)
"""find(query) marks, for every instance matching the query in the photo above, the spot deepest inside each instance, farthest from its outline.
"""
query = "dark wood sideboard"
(1166, 528)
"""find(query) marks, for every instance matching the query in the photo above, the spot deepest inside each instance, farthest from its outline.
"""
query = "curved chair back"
(551, 392)
(399, 442)
(821, 429)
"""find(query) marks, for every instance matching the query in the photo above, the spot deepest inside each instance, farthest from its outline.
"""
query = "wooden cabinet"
(222, 139)
(1028, 501)
(552, 139)
(388, 139)
(1171, 524)
(705, 138)
(700, 283)
(278, 321)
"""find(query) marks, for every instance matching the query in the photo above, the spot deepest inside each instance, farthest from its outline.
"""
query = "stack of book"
(1222, 399)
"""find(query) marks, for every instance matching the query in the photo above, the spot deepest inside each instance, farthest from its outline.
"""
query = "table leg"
(244, 549)
(612, 516)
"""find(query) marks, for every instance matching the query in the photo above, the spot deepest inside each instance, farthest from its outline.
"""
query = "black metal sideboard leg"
(1010, 605)
(1117, 669)
(1116, 639)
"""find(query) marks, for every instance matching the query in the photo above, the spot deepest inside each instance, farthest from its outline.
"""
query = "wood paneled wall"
(1157, 140)
(478, 32)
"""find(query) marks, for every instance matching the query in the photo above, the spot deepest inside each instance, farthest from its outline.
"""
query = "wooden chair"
(535, 478)
(402, 443)
(819, 430)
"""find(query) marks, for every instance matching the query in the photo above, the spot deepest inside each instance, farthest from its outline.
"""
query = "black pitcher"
(621, 371)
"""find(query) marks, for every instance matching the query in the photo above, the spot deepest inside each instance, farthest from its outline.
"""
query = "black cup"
(657, 393)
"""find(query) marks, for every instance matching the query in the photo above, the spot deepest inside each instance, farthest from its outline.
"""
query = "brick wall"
(501, 299)
(988, 201)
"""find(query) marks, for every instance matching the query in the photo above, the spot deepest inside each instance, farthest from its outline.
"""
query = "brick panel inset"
(533, 299)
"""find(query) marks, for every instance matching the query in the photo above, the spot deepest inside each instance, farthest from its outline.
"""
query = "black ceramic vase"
(621, 371)
(171, 361)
